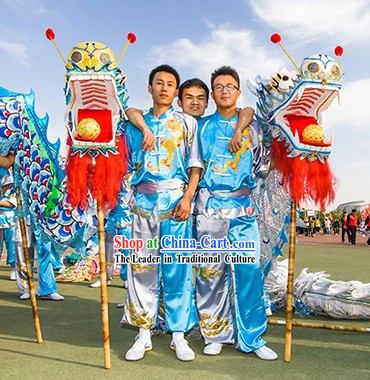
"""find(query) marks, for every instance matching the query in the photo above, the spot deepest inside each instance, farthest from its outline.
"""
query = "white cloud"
(224, 45)
(17, 50)
(310, 20)
(350, 157)
(353, 110)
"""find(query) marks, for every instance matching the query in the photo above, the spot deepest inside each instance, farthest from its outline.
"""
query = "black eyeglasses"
(229, 88)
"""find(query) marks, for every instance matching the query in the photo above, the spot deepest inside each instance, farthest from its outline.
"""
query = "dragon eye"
(335, 71)
(76, 57)
(105, 58)
(313, 67)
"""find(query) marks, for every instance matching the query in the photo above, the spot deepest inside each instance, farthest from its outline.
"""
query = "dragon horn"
(338, 52)
(50, 35)
(276, 39)
(131, 38)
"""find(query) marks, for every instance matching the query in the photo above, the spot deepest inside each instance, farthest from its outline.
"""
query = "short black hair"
(354, 210)
(225, 70)
(195, 82)
(167, 69)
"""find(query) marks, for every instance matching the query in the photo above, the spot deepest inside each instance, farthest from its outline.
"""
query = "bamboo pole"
(289, 309)
(103, 288)
(325, 326)
(31, 286)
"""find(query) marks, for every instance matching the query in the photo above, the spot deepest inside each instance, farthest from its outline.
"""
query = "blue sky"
(197, 37)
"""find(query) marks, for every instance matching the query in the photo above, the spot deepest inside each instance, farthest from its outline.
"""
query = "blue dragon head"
(289, 109)
(290, 106)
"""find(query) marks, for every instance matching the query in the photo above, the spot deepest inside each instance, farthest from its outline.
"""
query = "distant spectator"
(363, 228)
(367, 223)
(317, 226)
(345, 230)
(327, 226)
(336, 226)
(352, 223)
(307, 225)
(310, 227)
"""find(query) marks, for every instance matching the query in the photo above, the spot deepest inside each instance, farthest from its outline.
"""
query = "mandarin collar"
(164, 115)
(232, 119)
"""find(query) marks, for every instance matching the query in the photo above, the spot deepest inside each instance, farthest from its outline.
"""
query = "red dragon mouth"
(301, 117)
(94, 97)
(308, 129)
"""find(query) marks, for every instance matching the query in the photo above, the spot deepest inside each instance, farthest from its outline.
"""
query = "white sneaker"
(183, 351)
(12, 276)
(53, 296)
(97, 284)
(138, 349)
(268, 312)
(124, 285)
(266, 353)
(153, 332)
(25, 296)
(212, 349)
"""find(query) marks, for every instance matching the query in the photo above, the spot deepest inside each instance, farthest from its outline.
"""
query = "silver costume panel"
(213, 282)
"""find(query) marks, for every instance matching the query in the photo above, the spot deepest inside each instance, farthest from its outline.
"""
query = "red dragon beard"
(304, 180)
(102, 181)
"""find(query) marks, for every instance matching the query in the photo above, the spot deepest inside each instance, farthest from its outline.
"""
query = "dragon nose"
(285, 77)
(324, 82)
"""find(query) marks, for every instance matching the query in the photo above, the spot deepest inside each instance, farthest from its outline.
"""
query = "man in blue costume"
(163, 192)
(225, 209)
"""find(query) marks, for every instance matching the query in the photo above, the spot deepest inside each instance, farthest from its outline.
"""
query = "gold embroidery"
(139, 319)
(138, 166)
(233, 164)
(207, 273)
(170, 145)
(161, 308)
(213, 327)
(189, 137)
(140, 268)
(24, 284)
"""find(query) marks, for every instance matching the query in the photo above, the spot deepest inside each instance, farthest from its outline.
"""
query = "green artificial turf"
(72, 347)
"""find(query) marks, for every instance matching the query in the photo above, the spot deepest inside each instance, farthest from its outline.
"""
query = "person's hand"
(7, 161)
(236, 141)
(182, 209)
(11, 158)
(148, 140)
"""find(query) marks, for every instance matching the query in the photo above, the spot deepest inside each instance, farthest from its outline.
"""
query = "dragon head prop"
(289, 109)
(96, 99)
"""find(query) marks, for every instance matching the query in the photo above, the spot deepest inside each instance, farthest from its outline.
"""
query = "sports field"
(72, 347)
